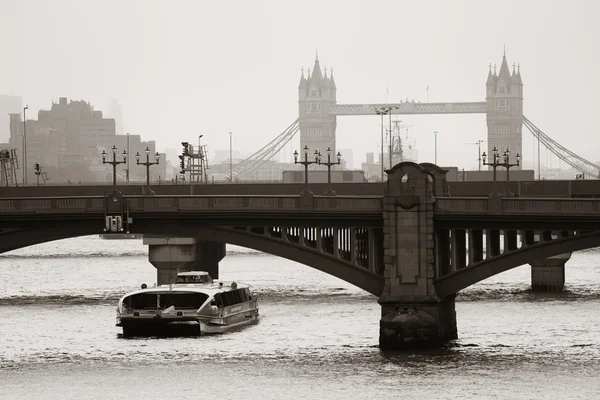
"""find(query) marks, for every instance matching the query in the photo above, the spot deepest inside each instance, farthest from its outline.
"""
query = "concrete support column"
(549, 275)
(414, 324)
(412, 314)
(173, 255)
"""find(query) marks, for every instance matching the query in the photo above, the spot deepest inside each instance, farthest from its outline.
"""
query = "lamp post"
(230, 158)
(494, 164)
(435, 147)
(508, 165)
(381, 111)
(329, 164)
(25, 145)
(479, 153)
(114, 163)
(148, 163)
(306, 163)
(127, 170)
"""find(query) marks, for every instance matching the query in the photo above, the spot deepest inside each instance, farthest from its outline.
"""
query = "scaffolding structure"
(193, 163)
(9, 164)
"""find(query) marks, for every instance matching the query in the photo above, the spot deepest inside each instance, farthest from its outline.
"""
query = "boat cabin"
(192, 277)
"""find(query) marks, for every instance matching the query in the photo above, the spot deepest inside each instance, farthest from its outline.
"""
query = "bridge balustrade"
(327, 204)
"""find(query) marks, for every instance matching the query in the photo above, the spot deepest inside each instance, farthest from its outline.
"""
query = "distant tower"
(504, 96)
(114, 111)
(316, 94)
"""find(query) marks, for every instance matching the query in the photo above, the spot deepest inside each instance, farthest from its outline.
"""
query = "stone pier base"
(549, 275)
(173, 255)
(416, 324)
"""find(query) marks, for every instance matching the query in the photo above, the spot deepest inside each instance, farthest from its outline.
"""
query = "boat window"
(191, 279)
(232, 297)
(141, 301)
(183, 300)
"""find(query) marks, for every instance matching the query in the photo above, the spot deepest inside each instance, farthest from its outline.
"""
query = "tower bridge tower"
(316, 94)
(504, 98)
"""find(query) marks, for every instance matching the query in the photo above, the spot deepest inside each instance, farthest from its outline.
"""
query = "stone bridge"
(413, 245)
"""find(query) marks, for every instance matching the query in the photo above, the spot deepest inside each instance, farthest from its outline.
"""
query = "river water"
(316, 339)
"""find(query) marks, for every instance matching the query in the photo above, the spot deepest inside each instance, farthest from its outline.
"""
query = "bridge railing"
(517, 205)
(255, 203)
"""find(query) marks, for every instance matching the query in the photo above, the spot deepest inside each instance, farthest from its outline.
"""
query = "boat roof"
(192, 273)
(209, 289)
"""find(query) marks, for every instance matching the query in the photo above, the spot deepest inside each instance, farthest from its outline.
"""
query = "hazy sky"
(184, 68)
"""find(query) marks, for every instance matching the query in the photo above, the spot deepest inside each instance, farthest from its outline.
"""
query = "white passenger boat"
(193, 305)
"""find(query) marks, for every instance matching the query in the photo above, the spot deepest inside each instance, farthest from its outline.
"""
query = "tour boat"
(193, 305)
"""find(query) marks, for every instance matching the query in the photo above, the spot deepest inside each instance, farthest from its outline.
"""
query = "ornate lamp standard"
(494, 164)
(148, 163)
(114, 163)
(507, 165)
(306, 163)
(329, 164)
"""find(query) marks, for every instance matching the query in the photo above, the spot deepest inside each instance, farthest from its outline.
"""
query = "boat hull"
(145, 328)
(228, 318)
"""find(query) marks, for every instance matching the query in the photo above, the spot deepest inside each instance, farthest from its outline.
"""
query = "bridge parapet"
(52, 204)
(516, 206)
(90, 204)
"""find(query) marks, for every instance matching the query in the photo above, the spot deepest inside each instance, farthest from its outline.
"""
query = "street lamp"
(306, 163)
(148, 163)
(381, 111)
(25, 145)
(127, 171)
(496, 163)
(385, 111)
(435, 147)
(114, 163)
(329, 163)
(507, 165)
(230, 158)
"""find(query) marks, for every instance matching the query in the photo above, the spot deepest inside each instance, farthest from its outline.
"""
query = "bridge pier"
(549, 275)
(172, 255)
(412, 315)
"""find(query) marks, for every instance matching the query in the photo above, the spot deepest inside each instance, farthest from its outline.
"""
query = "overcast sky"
(184, 68)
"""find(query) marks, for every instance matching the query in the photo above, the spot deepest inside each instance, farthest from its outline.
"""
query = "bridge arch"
(356, 275)
(465, 277)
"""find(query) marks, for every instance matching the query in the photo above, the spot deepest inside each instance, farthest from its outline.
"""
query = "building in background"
(115, 112)
(67, 141)
(347, 157)
(64, 139)
(8, 105)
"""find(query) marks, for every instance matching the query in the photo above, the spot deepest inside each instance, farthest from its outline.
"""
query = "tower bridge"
(318, 110)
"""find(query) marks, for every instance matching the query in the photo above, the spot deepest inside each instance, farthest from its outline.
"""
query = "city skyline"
(248, 84)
